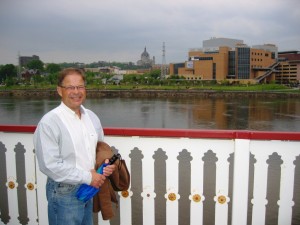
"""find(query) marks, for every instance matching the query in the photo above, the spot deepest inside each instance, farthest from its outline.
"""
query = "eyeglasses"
(72, 88)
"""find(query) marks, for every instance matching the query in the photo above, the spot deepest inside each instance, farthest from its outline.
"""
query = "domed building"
(145, 60)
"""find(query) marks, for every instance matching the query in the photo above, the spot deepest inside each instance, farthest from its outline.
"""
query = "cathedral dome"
(145, 53)
(145, 60)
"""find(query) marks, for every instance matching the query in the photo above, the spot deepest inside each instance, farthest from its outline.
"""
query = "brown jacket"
(120, 180)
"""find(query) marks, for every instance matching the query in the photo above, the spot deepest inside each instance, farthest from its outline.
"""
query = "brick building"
(288, 68)
(229, 59)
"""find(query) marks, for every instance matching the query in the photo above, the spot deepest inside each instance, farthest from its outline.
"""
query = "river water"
(178, 113)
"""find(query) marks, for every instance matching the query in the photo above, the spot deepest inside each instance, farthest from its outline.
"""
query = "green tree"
(36, 64)
(37, 79)
(10, 81)
(53, 68)
(130, 78)
(51, 78)
(7, 71)
(155, 73)
(90, 77)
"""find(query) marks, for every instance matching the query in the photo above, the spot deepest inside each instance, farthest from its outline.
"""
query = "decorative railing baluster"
(124, 145)
(240, 182)
(223, 149)
(259, 200)
(288, 152)
(10, 141)
(197, 196)
(30, 184)
(172, 150)
(4, 215)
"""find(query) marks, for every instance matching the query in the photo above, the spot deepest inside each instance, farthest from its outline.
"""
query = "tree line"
(38, 73)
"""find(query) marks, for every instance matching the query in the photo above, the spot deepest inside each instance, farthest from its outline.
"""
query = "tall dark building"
(24, 60)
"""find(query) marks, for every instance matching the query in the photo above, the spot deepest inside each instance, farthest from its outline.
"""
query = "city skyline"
(97, 30)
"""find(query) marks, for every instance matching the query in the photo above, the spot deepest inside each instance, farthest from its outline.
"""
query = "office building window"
(231, 64)
(243, 63)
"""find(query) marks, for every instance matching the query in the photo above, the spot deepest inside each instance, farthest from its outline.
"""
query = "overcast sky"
(118, 30)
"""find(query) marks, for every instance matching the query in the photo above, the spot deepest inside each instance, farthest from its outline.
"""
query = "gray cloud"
(116, 30)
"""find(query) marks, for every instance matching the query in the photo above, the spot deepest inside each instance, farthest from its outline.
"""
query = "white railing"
(178, 177)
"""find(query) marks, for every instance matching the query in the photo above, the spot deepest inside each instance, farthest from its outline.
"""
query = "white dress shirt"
(66, 144)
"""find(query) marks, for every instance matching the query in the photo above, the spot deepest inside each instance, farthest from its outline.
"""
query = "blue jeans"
(63, 206)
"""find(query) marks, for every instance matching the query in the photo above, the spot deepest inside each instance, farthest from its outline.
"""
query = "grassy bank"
(216, 87)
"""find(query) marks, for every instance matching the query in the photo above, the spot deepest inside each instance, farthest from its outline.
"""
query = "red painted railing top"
(186, 133)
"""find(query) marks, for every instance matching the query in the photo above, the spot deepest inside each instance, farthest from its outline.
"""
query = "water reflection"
(185, 113)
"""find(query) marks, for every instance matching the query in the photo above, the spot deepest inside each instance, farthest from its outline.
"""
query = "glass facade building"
(243, 63)
(231, 65)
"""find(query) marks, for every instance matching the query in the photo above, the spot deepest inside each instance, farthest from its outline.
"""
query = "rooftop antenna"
(19, 66)
(163, 64)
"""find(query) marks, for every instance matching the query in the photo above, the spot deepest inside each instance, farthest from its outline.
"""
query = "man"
(65, 142)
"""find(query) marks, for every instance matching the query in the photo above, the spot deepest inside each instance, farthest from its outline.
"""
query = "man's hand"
(97, 179)
(108, 170)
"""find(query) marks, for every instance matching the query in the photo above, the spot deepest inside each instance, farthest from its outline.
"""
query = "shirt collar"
(70, 111)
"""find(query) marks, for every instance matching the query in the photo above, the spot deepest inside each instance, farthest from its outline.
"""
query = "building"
(288, 68)
(229, 59)
(145, 60)
(213, 44)
(93, 70)
(24, 60)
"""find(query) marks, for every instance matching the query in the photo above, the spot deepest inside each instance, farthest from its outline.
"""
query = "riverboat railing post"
(41, 180)
(240, 182)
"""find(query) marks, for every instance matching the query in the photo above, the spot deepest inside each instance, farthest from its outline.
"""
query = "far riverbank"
(136, 93)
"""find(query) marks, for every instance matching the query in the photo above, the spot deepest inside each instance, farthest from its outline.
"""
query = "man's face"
(72, 91)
